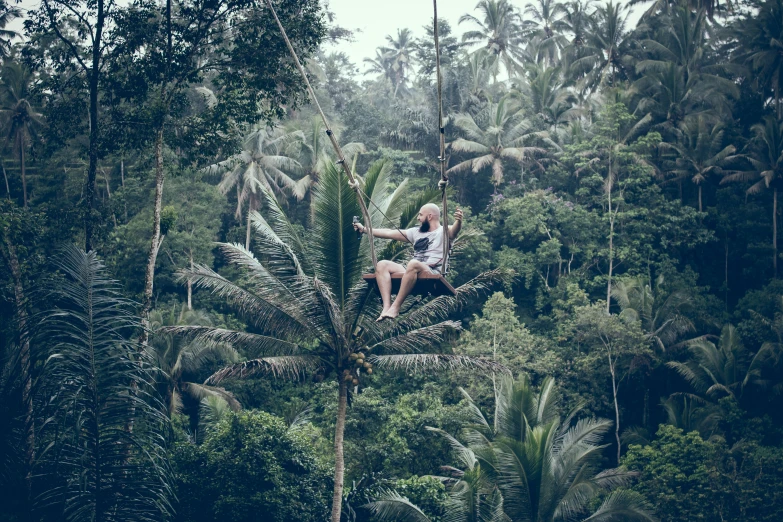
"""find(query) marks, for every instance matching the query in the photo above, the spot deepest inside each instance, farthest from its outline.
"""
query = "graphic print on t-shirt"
(427, 246)
(420, 249)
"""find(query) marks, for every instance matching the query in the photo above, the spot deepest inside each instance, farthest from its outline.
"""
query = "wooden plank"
(426, 284)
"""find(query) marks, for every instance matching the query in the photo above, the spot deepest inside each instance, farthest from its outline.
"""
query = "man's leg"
(383, 273)
(412, 272)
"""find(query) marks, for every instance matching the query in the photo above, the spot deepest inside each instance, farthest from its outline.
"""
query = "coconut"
(353, 356)
(369, 371)
(367, 365)
(355, 382)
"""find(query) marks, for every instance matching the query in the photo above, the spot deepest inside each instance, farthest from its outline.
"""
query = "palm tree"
(499, 30)
(692, 413)
(550, 96)
(677, 79)
(394, 62)
(664, 6)
(662, 322)
(310, 307)
(529, 465)
(766, 157)
(498, 133)
(576, 23)
(261, 165)
(604, 56)
(94, 383)
(212, 409)
(21, 117)
(314, 151)
(6, 35)
(723, 370)
(760, 41)
(380, 65)
(175, 359)
(545, 22)
(399, 53)
(700, 153)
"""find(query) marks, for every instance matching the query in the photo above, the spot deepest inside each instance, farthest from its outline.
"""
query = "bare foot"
(382, 317)
(391, 313)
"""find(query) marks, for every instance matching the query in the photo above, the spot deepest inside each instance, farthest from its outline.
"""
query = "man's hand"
(359, 228)
(458, 215)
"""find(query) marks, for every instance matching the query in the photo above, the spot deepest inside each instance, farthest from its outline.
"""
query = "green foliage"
(499, 335)
(526, 465)
(388, 434)
(688, 478)
(107, 459)
(627, 171)
(250, 463)
(192, 217)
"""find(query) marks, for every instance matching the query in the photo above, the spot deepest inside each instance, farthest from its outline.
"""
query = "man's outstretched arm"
(382, 233)
(456, 227)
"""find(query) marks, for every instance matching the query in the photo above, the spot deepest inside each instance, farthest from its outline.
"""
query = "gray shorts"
(433, 269)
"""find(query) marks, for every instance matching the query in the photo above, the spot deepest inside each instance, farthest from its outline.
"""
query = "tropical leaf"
(98, 385)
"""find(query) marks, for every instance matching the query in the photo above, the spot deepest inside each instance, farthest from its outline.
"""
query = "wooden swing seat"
(426, 284)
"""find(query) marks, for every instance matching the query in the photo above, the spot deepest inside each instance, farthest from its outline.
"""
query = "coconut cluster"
(359, 362)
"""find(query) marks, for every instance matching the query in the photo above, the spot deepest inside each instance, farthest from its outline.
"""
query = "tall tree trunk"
(700, 197)
(24, 363)
(616, 406)
(190, 284)
(611, 254)
(24, 173)
(339, 459)
(122, 180)
(247, 233)
(7, 187)
(726, 272)
(157, 239)
(92, 170)
(775, 231)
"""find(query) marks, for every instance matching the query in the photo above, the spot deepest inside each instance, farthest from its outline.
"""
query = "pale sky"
(377, 18)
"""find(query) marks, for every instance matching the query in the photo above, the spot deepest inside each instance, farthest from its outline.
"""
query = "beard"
(424, 227)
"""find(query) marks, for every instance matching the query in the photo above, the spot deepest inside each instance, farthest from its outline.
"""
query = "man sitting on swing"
(427, 241)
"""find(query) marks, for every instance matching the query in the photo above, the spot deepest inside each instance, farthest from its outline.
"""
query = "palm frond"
(391, 506)
(256, 344)
(425, 361)
(623, 505)
(285, 366)
(97, 383)
(415, 340)
(201, 391)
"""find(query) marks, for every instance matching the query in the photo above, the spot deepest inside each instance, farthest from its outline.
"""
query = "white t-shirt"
(427, 246)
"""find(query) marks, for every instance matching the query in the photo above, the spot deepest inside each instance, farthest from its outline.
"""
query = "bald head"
(429, 217)
(431, 208)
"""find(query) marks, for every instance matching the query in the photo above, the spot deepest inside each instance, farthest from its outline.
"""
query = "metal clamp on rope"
(353, 184)
(442, 184)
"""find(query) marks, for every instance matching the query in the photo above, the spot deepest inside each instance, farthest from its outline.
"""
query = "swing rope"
(444, 181)
(337, 149)
(353, 182)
